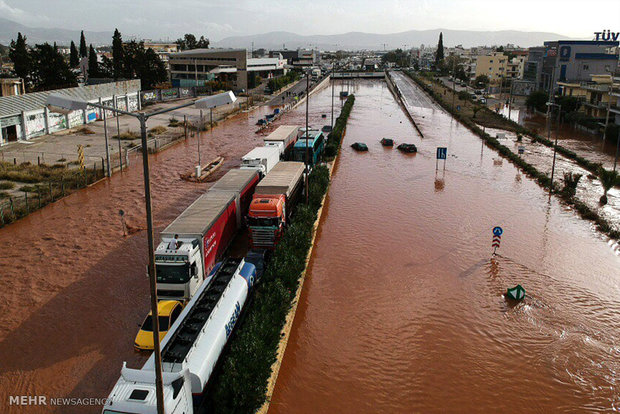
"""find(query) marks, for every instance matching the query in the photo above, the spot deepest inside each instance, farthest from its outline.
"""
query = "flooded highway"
(402, 309)
(74, 290)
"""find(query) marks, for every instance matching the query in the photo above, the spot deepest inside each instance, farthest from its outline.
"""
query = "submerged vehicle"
(409, 148)
(387, 142)
(359, 146)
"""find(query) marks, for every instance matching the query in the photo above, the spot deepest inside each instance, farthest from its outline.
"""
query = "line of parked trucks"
(261, 195)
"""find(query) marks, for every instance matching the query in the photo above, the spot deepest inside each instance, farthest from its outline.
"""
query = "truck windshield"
(262, 221)
(168, 273)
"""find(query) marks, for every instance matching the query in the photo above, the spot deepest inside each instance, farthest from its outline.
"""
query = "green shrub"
(7, 185)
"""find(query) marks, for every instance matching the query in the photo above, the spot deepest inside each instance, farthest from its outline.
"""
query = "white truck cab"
(134, 392)
(179, 271)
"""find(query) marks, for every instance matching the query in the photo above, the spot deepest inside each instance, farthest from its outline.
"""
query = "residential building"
(162, 49)
(516, 67)
(494, 66)
(598, 95)
(533, 67)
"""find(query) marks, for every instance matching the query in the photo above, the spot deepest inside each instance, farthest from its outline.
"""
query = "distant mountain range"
(278, 40)
(9, 30)
(372, 41)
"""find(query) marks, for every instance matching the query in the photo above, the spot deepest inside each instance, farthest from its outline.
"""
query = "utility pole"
(118, 132)
(198, 135)
(159, 383)
(333, 82)
(307, 133)
(510, 99)
(107, 147)
(453, 79)
(555, 149)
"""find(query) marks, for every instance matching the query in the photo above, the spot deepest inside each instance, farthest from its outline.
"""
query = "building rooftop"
(193, 52)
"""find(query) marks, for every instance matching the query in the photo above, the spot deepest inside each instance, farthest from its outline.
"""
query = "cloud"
(19, 15)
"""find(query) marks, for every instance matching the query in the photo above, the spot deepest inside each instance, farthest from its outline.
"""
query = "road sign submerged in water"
(442, 153)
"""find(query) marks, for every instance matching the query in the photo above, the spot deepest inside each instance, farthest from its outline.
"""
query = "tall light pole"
(66, 104)
(307, 133)
(107, 147)
(555, 146)
(333, 82)
(118, 135)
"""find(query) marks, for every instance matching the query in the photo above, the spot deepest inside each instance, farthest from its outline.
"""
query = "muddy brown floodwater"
(402, 310)
(73, 289)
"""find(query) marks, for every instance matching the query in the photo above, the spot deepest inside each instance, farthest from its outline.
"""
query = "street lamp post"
(555, 145)
(333, 82)
(307, 133)
(107, 147)
(65, 104)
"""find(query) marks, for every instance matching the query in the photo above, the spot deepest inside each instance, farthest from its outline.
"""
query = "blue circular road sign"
(497, 231)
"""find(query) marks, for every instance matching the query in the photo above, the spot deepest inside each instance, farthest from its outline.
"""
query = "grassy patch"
(7, 185)
(84, 131)
(127, 135)
(158, 130)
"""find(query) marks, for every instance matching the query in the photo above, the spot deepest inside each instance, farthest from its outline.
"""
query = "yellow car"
(168, 311)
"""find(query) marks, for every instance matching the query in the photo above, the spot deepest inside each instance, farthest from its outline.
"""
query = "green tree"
(202, 43)
(537, 100)
(569, 103)
(106, 68)
(608, 179)
(74, 57)
(482, 80)
(83, 49)
(18, 53)
(93, 63)
(50, 70)
(118, 57)
(143, 64)
(439, 53)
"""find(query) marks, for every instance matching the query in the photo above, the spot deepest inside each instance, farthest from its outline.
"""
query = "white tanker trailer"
(191, 348)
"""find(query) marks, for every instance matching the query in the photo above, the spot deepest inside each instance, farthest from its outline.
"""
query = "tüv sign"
(607, 35)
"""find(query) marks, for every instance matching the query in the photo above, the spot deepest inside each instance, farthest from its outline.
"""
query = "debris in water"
(515, 293)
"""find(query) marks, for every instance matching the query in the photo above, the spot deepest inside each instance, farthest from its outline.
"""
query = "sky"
(161, 19)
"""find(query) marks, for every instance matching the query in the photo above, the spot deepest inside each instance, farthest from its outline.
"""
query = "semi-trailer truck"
(272, 204)
(284, 138)
(201, 233)
(261, 159)
(243, 182)
(191, 349)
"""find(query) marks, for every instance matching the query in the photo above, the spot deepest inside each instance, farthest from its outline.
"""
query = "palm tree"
(608, 179)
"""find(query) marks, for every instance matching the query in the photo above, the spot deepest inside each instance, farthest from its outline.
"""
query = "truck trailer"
(284, 138)
(191, 349)
(261, 159)
(272, 204)
(204, 230)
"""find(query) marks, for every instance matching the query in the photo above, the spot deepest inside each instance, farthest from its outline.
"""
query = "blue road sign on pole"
(497, 231)
(442, 153)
